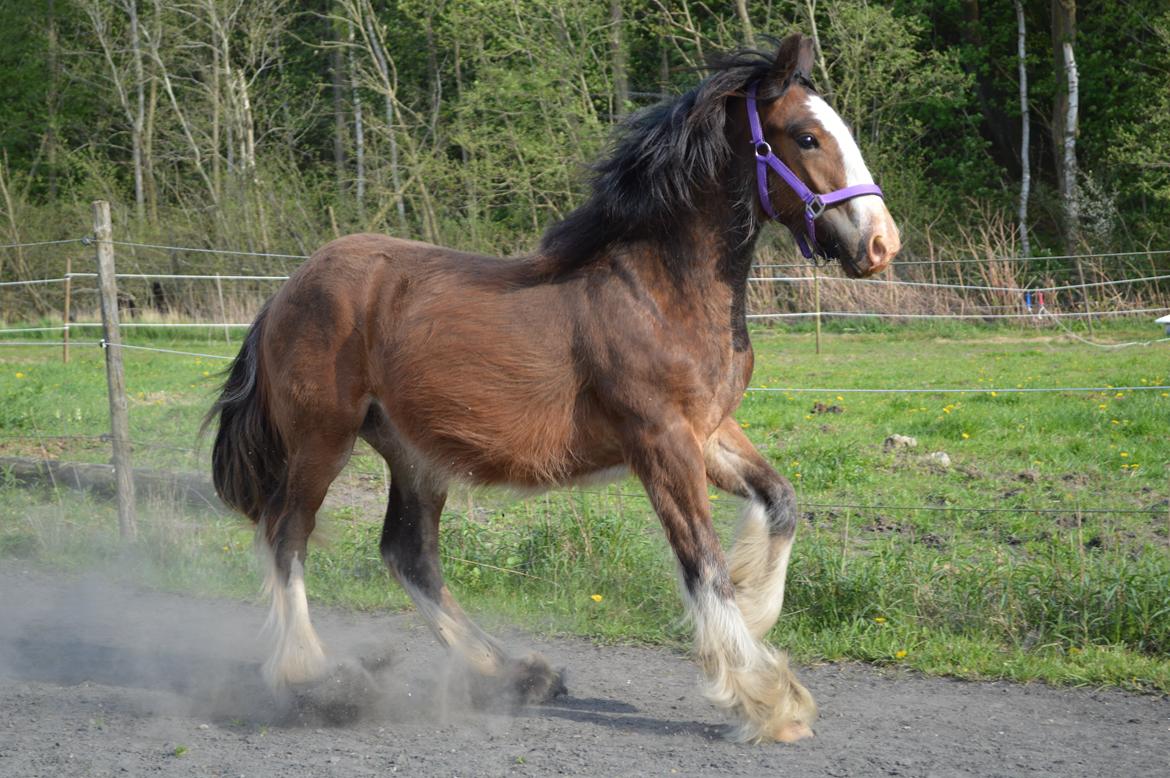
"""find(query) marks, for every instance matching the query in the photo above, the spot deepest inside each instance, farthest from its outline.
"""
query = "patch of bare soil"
(98, 679)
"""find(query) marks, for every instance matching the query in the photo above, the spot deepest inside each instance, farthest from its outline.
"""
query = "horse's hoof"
(792, 731)
(520, 682)
(535, 682)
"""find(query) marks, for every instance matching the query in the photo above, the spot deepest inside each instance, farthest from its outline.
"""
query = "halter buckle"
(763, 149)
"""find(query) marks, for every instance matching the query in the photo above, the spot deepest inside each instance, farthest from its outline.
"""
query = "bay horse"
(620, 345)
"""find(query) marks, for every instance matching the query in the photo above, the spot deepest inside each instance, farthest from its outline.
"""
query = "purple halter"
(814, 204)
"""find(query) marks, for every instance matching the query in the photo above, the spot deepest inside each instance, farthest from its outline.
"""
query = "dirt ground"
(98, 680)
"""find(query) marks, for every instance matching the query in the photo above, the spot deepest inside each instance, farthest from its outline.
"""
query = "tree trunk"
(359, 132)
(749, 35)
(1071, 191)
(996, 122)
(826, 85)
(52, 99)
(1064, 113)
(339, 124)
(216, 118)
(389, 83)
(1025, 128)
(435, 77)
(148, 131)
(139, 118)
(617, 53)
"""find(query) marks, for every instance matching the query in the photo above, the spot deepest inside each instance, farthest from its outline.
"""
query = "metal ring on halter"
(767, 149)
(815, 207)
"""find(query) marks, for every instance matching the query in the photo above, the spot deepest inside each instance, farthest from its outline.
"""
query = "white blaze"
(865, 210)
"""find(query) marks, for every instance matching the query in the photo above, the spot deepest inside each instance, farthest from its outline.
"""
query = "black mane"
(662, 158)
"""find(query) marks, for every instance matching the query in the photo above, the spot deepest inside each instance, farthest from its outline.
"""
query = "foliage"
(478, 118)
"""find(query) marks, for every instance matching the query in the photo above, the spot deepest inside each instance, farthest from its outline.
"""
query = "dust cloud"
(203, 656)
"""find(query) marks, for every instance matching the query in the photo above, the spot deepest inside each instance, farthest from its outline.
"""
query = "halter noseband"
(814, 204)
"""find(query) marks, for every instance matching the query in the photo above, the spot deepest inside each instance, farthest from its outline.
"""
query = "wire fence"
(1002, 311)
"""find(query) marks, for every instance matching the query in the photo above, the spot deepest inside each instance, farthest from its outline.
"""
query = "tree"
(1025, 127)
(1064, 116)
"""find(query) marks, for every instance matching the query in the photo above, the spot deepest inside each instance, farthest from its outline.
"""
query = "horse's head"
(810, 173)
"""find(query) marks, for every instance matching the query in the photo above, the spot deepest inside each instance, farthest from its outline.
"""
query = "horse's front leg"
(744, 676)
(763, 542)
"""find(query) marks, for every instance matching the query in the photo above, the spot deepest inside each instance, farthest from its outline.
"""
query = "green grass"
(1043, 552)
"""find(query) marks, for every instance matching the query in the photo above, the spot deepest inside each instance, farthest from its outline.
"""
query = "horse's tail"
(248, 460)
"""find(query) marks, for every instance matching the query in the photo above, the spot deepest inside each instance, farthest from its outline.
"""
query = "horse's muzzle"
(880, 250)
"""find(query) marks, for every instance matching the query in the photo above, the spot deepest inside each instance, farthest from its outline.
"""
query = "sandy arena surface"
(99, 680)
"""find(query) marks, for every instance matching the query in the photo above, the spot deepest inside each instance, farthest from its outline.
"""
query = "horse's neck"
(705, 267)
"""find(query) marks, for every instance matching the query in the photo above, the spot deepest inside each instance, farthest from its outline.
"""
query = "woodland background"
(272, 125)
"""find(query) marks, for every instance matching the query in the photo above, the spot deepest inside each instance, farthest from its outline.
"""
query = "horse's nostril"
(880, 251)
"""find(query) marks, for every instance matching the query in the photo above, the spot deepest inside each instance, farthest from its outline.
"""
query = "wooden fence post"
(112, 345)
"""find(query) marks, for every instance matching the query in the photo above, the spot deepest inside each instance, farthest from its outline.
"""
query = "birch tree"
(1025, 126)
(1064, 116)
(117, 31)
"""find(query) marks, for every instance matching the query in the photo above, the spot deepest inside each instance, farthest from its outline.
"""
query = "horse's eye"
(806, 141)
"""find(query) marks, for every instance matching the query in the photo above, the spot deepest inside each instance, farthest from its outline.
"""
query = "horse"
(619, 346)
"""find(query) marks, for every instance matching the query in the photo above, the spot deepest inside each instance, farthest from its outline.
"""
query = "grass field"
(1041, 552)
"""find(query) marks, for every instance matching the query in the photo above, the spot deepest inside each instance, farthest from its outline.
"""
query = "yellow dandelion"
(1166, 394)
(901, 653)
(1114, 421)
(206, 374)
(20, 375)
(596, 597)
(840, 398)
(1119, 395)
(1102, 407)
(879, 619)
(745, 424)
(1123, 454)
(995, 394)
(796, 475)
(966, 435)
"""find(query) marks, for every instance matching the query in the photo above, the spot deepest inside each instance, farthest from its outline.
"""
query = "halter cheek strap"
(814, 204)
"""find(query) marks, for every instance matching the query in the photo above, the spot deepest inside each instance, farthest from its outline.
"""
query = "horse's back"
(474, 369)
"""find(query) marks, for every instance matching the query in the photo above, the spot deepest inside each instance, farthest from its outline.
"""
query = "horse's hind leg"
(313, 462)
(410, 547)
(759, 558)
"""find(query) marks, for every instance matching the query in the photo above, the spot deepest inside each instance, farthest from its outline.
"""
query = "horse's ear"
(794, 58)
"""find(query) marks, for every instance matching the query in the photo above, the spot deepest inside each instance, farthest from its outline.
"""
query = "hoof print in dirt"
(343, 695)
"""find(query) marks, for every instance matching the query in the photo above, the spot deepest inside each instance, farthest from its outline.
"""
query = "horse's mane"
(662, 158)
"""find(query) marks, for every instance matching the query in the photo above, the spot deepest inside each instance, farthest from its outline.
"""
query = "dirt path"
(100, 680)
